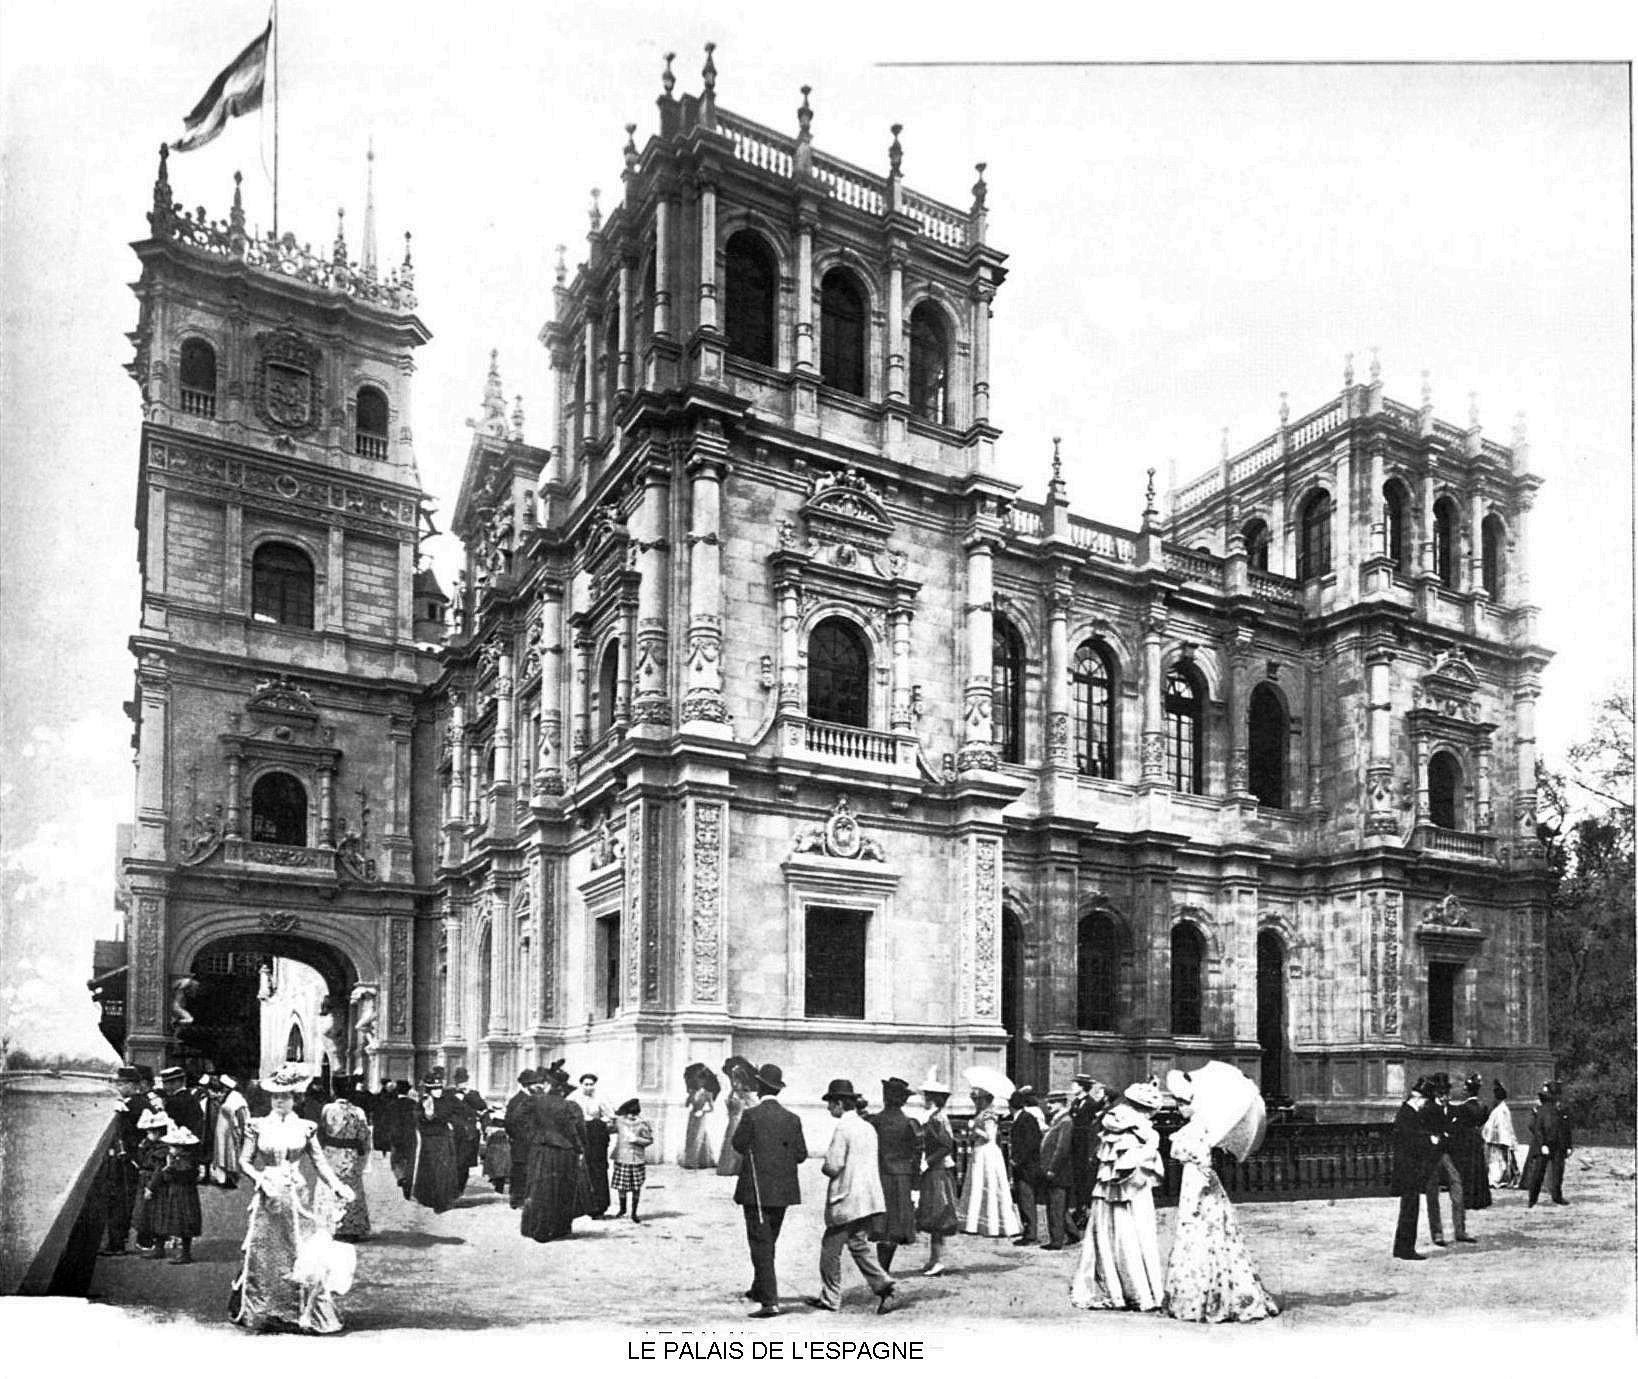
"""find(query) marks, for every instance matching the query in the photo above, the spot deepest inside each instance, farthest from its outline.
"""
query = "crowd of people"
(1087, 1158)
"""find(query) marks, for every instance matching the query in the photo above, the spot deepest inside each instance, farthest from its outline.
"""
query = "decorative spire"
(562, 265)
(1057, 460)
(804, 116)
(1376, 365)
(1057, 491)
(895, 154)
(1427, 389)
(596, 212)
(338, 255)
(406, 274)
(630, 149)
(708, 73)
(1473, 411)
(981, 189)
(236, 217)
(1150, 511)
(517, 418)
(367, 258)
(1285, 410)
(668, 78)
(1348, 370)
(494, 400)
(162, 190)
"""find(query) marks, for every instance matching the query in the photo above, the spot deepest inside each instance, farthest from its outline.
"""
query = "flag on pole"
(237, 90)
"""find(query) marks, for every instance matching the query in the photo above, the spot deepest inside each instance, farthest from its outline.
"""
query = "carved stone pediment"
(280, 698)
(846, 511)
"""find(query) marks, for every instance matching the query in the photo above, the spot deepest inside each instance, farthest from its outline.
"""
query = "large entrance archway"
(256, 999)
(1271, 1011)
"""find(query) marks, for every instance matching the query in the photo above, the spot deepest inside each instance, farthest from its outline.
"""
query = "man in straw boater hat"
(769, 1142)
(852, 1200)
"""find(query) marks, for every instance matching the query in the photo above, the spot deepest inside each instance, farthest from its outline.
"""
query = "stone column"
(548, 778)
(982, 295)
(235, 798)
(1524, 746)
(708, 256)
(1344, 555)
(505, 709)
(1381, 806)
(1518, 566)
(588, 353)
(902, 715)
(1475, 541)
(662, 266)
(703, 701)
(1419, 764)
(474, 784)
(625, 326)
(1152, 748)
(978, 740)
(895, 323)
(327, 807)
(790, 651)
(147, 996)
(1425, 514)
(804, 288)
(1060, 752)
(581, 707)
(651, 677)
(457, 759)
(454, 981)
(1239, 708)
(1377, 505)
(1482, 822)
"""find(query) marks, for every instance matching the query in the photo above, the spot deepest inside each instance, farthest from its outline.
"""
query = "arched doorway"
(255, 997)
(1012, 990)
(1271, 1011)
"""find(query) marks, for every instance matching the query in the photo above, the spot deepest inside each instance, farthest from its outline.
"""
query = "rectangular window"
(835, 977)
(607, 967)
(1442, 979)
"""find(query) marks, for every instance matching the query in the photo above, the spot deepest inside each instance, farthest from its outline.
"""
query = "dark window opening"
(834, 986)
(608, 688)
(198, 379)
(929, 365)
(486, 980)
(1256, 537)
(1007, 690)
(370, 434)
(1094, 685)
(278, 810)
(1314, 537)
(295, 1047)
(1394, 506)
(1185, 762)
(750, 290)
(1266, 741)
(1271, 1011)
(1188, 966)
(1097, 972)
(606, 960)
(842, 318)
(1445, 542)
(1442, 979)
(1444, 790)
(838, 674)
(281, 586)
(1494, 538)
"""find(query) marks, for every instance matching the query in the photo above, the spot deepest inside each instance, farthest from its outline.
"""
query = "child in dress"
(497, 1157)
(633, 1135)
(172, 1194)
(150, 1159)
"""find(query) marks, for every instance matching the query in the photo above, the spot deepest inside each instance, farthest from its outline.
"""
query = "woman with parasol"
(1210, 1276)
(1120, 1252)
(986, 1201)
(703, 1089)
(741, 1097)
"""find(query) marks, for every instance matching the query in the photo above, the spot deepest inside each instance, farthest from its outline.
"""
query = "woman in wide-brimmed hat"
(1211, 1276)
(1120, 1253)
(742, 1095)
(699, 1145)
(283, 1222)
(150, 1159)
(937, 1211)
(986, 1200)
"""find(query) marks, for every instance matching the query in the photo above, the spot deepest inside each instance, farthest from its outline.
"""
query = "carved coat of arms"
(287, 391)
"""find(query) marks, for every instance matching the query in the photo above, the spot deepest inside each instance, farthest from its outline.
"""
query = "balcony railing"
(855, 744)
(370, 447)
(1451, 842)
(198, 403)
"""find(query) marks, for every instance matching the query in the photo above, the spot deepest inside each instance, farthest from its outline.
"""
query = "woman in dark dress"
(936, 1209)
(557, 1141)
(1467, 1118)
(433, 1180)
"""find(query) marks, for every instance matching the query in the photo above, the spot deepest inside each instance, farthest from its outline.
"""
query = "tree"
(1587, 828)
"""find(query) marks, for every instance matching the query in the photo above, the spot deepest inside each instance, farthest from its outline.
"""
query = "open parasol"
(1228, 1107)
(990, 1080)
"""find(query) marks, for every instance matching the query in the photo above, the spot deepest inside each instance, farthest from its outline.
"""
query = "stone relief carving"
(839, 836)
(708, 819)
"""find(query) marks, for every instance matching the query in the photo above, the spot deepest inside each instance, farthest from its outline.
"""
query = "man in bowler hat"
(769, 1142)
(1549, 1146)
(1415, 1156)
(853, 1199)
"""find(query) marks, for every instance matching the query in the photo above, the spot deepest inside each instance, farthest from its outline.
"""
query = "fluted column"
(549, 748)
(708, 256)
(903, 690)
(651, 678)
(703, 701)
(454, 979)
(1059, 751)
(895, 324)
(581, 708)
(1152, 749)
(790, 651)
(978, 737)
(662, 265)
(804, 290)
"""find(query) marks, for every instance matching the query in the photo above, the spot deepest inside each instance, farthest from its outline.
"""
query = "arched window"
(281, 585)
(1007, 690)
(1265, 754)
(370, 424)
(1188, 975)
(1445, 790)
(1094, 684)
(198, 380)
(1184, 705)
(929, 364)
(608, 687)
(842, 317)
(1314, 537)
(1494, 544)
(486, 980)
(1097, 972)
(1445, 528)
(1395, 504)
(751, 286)
(1255, 535)
(295, 1047)
(838, 674)
(278, 810)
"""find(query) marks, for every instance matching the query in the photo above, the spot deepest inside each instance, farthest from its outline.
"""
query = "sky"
(1186, 242)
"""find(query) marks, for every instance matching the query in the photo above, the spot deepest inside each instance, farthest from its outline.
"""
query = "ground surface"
(685, 1266)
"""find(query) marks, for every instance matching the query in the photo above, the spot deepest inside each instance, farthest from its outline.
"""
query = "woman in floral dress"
(986, 1202)
(1210, 1276)
(282, 1219)
(1120, 1253)
(344, 1134)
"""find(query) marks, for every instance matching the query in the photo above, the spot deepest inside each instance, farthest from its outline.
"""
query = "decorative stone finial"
(668, 78)
(596, 213)
(895, 153)
(1427, 389)
(1149, 509)
(630, 149)
(708, 73)
(1285, 410)
(338, 255)
(1376, 365)
(981, 188)
(406, 274)
(517, 418)
(1223, 447)
(367, 252)
(804, 116)
(162, 188)
(1057, 461)
(236, 217)
(494, 400)
(1521, 434)
(1348, 370)
(1473, 411)
(562, 265)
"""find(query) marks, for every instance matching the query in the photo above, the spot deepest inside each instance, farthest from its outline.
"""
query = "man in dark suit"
(1549, 1146)
(517, 1135)
(769, 1141)
(1436, 1116)
(1025, 1144)
(1415, 1156)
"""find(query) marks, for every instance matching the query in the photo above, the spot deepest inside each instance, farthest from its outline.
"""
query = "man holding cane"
(769, 1140)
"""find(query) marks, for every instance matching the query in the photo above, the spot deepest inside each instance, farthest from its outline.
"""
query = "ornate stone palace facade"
(770, 719)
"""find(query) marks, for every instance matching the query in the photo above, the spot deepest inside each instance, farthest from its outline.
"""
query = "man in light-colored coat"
(853, 1198)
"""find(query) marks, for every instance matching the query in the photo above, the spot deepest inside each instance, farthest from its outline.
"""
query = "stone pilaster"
(651, 675)
(977, 738)
(1152, 746)
(1060, 753)
(1381, 798)
(548, 778)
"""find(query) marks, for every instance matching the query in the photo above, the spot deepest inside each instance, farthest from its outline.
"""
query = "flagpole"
(274, 20)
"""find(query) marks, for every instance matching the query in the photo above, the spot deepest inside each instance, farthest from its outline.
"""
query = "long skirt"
(937, 1211)
(226, 1143)
(432, 1176)
(1504, 1167)
(174, 1210)
(1120, 1256)
(354, 1223)
(729, 1159)
(280, 1224)
(987, 1207)
(1469, 1155)
(1210, 1276)
(897, 1225)
(698, 1150)
(597, 1167)
(554, 1193)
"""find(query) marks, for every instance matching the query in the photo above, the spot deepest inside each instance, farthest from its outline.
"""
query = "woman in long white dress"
(986, 1197)
(1210, 1276)
(1501, 1141)
(1120, 1252)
